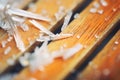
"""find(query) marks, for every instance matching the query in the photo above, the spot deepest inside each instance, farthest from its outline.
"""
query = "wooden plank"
(106, 65)
(92, 29)
(33, 33)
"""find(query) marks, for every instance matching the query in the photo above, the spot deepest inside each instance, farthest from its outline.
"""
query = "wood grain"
(92, 29)
(106, 65)
(33, 32)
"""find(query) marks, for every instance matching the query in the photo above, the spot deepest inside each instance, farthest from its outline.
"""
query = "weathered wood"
(92, 29)
(33, 33)
(106, 65)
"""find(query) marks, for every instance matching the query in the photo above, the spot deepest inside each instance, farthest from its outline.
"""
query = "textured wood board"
(92, 29)
(106, 65)
(33, 32)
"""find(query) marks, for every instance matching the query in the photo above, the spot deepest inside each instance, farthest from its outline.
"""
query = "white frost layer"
(71, 51)
(13, 3)
(60, 13)
(11, 17)
(7, 50)
(67, 53)
(41, 27)
(36, 59)
(41, 57)
(53, 37)
(24, 59)
(19, 43)
(103, 2)
(18, 19)
(27, 14)
(66, 20)
(10, 61)
(7, 77)
(4, 43)
(50, 35)
(93, 10)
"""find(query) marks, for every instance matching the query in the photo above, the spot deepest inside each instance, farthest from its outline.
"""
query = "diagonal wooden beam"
(105, 66)
(89, 29)
(29, 37)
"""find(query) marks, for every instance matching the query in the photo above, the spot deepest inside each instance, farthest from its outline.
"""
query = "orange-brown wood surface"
(106, 65)
(33, 33)
(92, 29)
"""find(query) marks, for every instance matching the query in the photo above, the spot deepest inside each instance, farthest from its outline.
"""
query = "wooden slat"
(33, 32)
(106, 65)
(91, 27)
